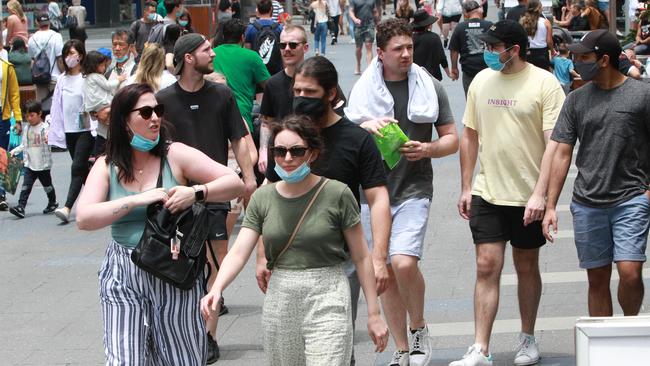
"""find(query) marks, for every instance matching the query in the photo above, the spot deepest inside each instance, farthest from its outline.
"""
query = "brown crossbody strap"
(302, 218)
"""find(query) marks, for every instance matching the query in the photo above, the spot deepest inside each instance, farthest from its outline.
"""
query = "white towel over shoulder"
(370, 98)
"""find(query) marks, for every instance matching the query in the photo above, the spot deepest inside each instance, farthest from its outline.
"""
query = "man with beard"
(350, 156)
(205, 116)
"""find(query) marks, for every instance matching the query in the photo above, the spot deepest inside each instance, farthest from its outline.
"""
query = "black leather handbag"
(172, 246)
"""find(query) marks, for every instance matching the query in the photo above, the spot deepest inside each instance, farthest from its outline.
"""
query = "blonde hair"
(15, 6)
(530, 18)
(151, 66)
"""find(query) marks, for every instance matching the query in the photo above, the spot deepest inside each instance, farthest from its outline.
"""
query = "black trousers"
(30, 178)
(335, 27)
(80, 146)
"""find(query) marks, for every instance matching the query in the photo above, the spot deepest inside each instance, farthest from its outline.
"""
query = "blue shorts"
(410, 219)
(618, 233)
(603, 5)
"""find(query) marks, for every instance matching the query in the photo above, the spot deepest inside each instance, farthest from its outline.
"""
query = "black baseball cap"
(470, 5)
(421, 19)
(43, 18)
(506, 31)
(186, 44)
(600, 41)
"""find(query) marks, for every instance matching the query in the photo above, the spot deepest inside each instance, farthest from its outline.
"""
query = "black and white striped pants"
(147, 321)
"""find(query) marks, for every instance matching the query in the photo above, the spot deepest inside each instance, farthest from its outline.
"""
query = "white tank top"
(539, 41)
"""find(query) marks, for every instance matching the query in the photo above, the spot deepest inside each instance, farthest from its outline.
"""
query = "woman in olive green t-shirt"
(307, 311)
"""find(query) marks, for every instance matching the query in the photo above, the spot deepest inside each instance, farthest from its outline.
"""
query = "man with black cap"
(464, 42)
(510, 114)
(50, 41)
(427, 46)
(610, 116)
(205, 116)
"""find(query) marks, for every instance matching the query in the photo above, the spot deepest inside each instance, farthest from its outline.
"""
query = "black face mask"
(314, 108)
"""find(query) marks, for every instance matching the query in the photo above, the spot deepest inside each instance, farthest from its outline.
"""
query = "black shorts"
(493, 223)
(453, 18)
(218, 212)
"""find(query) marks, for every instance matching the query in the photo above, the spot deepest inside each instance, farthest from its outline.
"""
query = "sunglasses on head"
(295, 151)
(292, 45)
(147, 111)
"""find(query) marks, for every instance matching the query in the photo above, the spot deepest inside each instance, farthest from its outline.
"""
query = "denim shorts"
(603, 5)
(618, 233)
(410, 219)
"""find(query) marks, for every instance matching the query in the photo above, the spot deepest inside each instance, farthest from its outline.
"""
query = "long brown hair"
(530, 18)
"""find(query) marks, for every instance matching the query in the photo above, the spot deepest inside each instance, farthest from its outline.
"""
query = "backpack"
(42, 68)
(157, 33)
(71, 21)
(267, 45)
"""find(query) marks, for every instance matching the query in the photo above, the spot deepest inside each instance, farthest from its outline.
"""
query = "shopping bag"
(10, 169)
(390, 143)
(14, 139)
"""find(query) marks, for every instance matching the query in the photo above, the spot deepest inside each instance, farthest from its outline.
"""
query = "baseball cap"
(43, 18)
(105, 51)
(506, 31)
(470, 5)
(186, 44)
(421, 19)
(600, 41)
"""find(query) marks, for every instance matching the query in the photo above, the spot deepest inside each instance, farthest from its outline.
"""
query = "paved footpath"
(50, 315)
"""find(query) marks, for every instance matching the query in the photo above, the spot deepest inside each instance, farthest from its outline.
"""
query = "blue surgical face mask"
(295, 176)
(122, 59)
(183, 23)
(492, 59)
(179, 14)
(143, 144)
(152, 17)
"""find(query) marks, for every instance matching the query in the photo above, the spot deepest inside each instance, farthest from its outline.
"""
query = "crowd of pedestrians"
(327, 210)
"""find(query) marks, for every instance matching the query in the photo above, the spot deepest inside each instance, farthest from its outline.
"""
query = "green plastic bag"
(10, 169)
(389, 145)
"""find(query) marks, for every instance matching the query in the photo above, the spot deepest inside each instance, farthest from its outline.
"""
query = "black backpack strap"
(257, 25)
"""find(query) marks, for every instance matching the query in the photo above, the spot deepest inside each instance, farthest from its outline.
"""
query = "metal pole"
(289, 5)
(612, 16)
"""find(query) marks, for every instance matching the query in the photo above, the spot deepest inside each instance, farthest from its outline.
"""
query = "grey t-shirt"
(414, 179)
(363, 10)
(613, 127)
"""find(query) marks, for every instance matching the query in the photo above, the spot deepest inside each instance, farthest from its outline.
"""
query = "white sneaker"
(400, 358)
(62, 214)
(527, 352)
(473, 357)
(421, 347)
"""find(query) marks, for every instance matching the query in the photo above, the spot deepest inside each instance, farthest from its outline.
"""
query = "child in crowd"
(37, 158)
(563, 69)
(98, 94)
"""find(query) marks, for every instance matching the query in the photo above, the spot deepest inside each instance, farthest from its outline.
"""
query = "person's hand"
(378, 332)
(18, 128)
(262, 274)
(121, 77)
(249, 188)
(549, 223)
(414, 150)
(149, 197)
(180, 198)
(357, 21)
(262, 160)
(103, 115)
(210, 304)
(534, 209)
(381, 275)
(454, 74)
(465, 204)
(374, 125)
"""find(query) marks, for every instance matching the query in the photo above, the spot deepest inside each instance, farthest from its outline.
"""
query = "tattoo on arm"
(124, 207)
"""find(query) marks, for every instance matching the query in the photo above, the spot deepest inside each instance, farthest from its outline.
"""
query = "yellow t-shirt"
(510, 113)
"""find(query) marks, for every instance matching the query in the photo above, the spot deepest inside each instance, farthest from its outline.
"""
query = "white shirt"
(166, 79)
(54, 46)
(37, 155)
(73, 102)
(335, 8)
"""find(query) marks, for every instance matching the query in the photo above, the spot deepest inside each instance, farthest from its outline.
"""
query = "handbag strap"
(159, 182)
(302, 218)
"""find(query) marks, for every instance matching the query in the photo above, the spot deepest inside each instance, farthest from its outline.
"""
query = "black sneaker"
(18, 211)
(3, 204)
(50, 207)
(224, 309)
(213, 350)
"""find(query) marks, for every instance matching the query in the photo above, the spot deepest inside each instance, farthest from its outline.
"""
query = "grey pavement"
(50, 314)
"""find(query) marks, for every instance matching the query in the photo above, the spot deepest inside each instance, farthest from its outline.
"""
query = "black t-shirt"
(205, 119)
(277, 101)
(350, 156)
(465, 41)
(578, 23)
(429, 53)
(516, 13)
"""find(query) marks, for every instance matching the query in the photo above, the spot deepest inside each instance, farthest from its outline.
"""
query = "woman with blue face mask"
(310, 224)
(137, 306)
(185, 21)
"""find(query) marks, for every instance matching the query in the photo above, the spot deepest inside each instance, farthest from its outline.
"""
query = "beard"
(204, 69)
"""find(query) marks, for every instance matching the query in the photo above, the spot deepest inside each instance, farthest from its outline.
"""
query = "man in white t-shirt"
(45, 38)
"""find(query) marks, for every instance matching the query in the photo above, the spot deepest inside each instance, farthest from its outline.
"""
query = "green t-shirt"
(243, 70)
(160, 9)
(320, 241)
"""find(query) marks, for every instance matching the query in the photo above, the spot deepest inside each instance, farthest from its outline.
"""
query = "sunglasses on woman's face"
(295, 151)
(292, 45)
(147, 111)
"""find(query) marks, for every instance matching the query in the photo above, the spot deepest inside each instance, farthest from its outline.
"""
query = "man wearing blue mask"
(141, 28)
(511, 110)
(123, 62)
(610, 116)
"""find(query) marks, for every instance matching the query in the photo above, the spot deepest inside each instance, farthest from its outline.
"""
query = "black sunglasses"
(295, 151)
(292, 45)
(147, 111)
